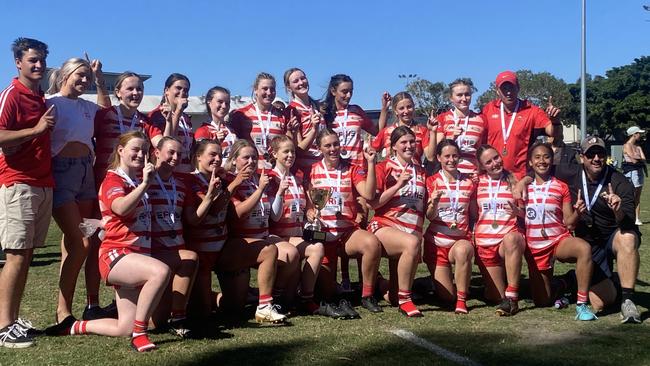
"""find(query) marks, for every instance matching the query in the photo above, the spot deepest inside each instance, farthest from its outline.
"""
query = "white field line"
(405, 334)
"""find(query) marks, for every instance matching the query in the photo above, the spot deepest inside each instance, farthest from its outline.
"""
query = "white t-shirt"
(74, 121)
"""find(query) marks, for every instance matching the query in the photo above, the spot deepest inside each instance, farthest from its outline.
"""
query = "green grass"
(534, 336)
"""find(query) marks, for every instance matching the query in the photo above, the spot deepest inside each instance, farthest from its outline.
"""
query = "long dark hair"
(328, 105)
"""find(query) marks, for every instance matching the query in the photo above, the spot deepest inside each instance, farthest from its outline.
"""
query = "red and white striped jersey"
(108, 128)
(184, 134)
(256, 223)
(168, 199)
(495, 216)
(343, 200)
(211, 234)
(405, 210)
(381, 142)
(209, 131)
(132, 231)
(470, 139)
(348, 125)
(306, 158)
(294, 204)
(441, 230)
(549, 210)
(259, 128)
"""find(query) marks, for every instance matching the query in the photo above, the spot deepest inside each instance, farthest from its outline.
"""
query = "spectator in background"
(634, 166)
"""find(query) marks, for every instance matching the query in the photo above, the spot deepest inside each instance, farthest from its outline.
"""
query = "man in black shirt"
(605, 200)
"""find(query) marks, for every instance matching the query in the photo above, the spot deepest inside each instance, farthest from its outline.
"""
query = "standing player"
(462, 125)
(447, 239)
(634, 165)
(510, 123)
(496, 235)
(170, 118)
(347, 120)
(548, 213)
(260, 122)
(217, 102)
(25, 172)
(399, 215)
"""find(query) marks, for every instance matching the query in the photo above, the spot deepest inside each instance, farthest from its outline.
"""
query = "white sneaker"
(638, 222)
(269, 314)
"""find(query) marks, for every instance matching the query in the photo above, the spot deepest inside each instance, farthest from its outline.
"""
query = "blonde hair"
(122, 140)
(234, 153)
(59, 76)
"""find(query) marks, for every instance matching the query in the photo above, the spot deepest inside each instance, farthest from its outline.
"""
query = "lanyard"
(187, 141)
(494, 195)
(461, 138)
(295, 193)
(506, 132)
(330, 179)
(171, 201)
(414, 177)
(266, 128)
(590, 202)
(201, 177)
(255, 184)
(454, 197)
(134, 183)
(541, 207)
(120, 117)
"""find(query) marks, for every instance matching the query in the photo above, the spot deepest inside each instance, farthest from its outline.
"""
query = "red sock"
(178, 314)
(583, 297)
(406, 305)
(403, 296)
(142, 343)
(139, 327)
(265, 300)
(92, 300)
(461, 307)
(512, 293)
(79, 327)
(367, 290)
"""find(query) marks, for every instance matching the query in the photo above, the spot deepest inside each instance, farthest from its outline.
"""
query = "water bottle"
(561, 303)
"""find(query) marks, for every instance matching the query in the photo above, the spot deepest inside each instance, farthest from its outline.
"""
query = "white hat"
(634, 129)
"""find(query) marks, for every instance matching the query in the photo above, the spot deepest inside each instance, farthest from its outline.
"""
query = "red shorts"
(332, 249)
(436, 254)
(543, 259)
(488, 256)
(108, 258)
(375, 225)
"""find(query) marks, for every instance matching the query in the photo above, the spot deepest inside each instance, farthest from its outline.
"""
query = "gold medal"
(494, 224)
(453, 225)
(504, 152)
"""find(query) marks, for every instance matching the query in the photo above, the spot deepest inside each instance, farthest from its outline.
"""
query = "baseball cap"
(507, 77)
(634, 129)
(592, 141)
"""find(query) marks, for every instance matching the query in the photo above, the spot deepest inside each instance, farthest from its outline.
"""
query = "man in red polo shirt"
(25, 183)
(511, 123)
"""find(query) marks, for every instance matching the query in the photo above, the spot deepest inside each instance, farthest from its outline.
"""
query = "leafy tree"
(428, 96)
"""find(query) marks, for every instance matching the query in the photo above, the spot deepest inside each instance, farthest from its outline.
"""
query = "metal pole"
(583, 74)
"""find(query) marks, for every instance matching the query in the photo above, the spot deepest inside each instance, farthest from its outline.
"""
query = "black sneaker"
(179, 328)
(62, 328)
(331, 310)
(111, 310)
(507, 307)
(14, 336)
(349, 311)
(94, 313)
(28, 327)
(370, 303)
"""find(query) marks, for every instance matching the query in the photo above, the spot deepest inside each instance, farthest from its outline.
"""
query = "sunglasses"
(591, 154)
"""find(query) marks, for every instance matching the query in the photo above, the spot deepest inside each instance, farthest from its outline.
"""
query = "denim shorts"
(635, 177)
(74, 180)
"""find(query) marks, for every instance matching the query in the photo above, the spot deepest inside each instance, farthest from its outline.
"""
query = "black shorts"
(603, 257)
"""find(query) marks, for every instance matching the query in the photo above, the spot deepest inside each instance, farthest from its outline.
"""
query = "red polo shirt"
(528, 117)
(29, 162)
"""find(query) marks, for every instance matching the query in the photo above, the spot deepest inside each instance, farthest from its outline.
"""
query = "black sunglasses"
(592, 153)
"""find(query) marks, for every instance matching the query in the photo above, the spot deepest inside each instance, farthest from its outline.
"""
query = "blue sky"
(228, 42)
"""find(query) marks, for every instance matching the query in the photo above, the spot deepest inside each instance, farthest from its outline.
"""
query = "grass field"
(532, 337)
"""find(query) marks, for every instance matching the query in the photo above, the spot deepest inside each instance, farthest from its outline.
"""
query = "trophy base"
(313, 235)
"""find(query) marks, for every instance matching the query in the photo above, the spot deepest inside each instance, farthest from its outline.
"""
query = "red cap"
(507, 77)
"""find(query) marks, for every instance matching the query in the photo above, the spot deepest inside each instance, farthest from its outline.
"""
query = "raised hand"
(385, 100)
(166, 109)
(404, 177)
(551, 110)
(369, 153)
(264, 179)
(148, 171)
(284, 185)
(613, 200)
(316, 119)
(96, 67)
(214, 186)
(293, 123)
(580, 206)
(181, 104)
(46, 122)
(432, 122)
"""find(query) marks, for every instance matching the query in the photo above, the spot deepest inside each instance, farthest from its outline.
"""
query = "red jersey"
(294, 204)
(306, 158)
(527, 118)
(468, 141)
(256, 223)
(340, 211)
(381, 142)
(405, 210)
(211, 234)
(109, 125)
(30, 162)
(168, 199)
(348, 125)
(544, 211)
(495, 216)
(452, 222)
(132, 231)
(208, 130)
(184, 134)
(260, 128)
